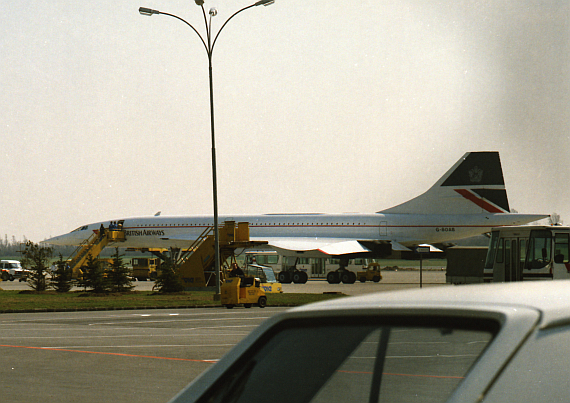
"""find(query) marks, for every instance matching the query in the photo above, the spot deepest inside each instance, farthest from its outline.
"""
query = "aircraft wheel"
(284, 277)
(351, 277)
(300, 277)
(345, 278)
(330, 278)
(337, 278)
(262, 302)
(333, 277)
(297, 277)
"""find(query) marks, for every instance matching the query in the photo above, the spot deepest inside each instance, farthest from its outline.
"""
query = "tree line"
(47, 273)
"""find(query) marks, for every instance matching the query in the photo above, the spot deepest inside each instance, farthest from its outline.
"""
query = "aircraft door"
(383, 228)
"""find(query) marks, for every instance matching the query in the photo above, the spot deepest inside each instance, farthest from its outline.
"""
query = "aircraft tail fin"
(474, 185)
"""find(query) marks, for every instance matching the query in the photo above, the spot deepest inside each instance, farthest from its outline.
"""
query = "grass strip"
(18, 301)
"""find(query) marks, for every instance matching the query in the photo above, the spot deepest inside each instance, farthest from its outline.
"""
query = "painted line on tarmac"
(116, 354)
(176, 320)
(124, 336)
(63, 348)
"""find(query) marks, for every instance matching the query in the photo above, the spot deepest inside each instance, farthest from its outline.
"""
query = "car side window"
(358, 361)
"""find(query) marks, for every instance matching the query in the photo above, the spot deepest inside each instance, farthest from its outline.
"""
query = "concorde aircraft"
(468, 200)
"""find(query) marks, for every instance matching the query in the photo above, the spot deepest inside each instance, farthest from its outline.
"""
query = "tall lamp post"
(209, 46)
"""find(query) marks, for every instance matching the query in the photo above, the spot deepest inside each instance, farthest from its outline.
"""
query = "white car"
(489, 343)
(12, 269)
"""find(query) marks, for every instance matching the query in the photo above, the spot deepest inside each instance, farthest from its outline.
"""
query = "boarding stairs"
(196, 265)
(92, 246)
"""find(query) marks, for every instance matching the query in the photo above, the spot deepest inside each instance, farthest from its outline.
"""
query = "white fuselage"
(406, 229)
(469, 199)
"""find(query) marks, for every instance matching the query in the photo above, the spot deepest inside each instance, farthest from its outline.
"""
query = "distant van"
(11, 270)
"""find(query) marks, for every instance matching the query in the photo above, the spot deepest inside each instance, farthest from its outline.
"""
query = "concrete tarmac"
(137, 356)
(391, 280)
(115, 356)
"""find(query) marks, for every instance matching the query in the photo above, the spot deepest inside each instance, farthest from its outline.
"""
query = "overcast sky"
(320, 106)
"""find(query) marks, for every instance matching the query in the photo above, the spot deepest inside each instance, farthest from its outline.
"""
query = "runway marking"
(142, 346)
(409, 375)
(122, 336)
(72, 316)
(145, 322)
(116, 354)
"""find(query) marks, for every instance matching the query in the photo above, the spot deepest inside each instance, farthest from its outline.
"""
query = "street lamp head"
(199, 2)
(213, 12)
(264, 3)
(148, 11)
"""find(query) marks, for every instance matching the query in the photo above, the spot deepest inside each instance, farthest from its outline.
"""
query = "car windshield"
(269, 275)
(360, 361)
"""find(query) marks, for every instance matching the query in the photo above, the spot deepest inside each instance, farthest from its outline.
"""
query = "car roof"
(520, 308)
(550, 298)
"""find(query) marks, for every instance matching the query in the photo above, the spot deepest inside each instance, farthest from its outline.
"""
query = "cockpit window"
(83, 228)
(357, 361)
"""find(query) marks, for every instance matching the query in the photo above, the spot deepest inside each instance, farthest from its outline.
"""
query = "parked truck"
(145, 268)
(12, 270)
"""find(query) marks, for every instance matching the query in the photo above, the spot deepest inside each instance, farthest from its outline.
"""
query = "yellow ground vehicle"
(372, 273)
(266, 276)
(243, 290)
(145, 268)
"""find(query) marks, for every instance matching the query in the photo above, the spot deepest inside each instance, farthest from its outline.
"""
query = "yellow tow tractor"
(372, 273)
(243, 290)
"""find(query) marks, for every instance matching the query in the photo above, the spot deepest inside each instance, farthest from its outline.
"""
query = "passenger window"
(361, 360)
(492, 250)
(522, 253)
(500, 250)
(539, 249)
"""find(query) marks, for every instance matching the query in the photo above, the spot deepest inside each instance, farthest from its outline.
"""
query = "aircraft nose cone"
(56, 240)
